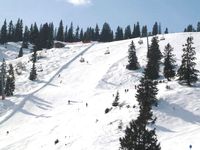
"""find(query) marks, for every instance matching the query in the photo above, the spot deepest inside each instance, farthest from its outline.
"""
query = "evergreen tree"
(119, 34)
(50, 39)
(33, 73)
(198, 27)
(60, 34)
(144, 31)
(187, 72)
(10, 31)
(20, 52)
(169, 61)
(132, 58)
(66, 34)
(34, 34)
(18, 31)
(81, 35)
(3, 79)
(4, 33)
(116, 101)
(127, 32)
(25, 38)
(166, 31)
(77, 35)
(137, 30)
(106, 33)
(97, 35)
(134, 32)
(10, 82)
(70, 35)
(155, 29)
(154, 56)
(159, 29)
(137, 135)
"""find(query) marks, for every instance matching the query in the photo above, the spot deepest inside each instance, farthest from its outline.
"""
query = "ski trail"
(25, 99)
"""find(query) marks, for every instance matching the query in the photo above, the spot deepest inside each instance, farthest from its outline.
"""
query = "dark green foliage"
(81, 35)
(3, 79)
(10, 82)
(33, 73)
(159, 29)
(70, 34)
(169, 61)
(77, 36)
(154, 56)
(166, 31)
(66, 34)
(34, 34)
(18, 34)
(25, 38)
(137, 136)
(116, 101)
(88, 35)
(3, 38)
(60, 34)
(97, 34)
(20, 52)
(10, 32)
(189, 29)
(106, 33)
(155, 29)
(136, 30)
(127, 32)
(144, 31)
(198, 27)
(187, 72)
(132, 58)
(119, 35)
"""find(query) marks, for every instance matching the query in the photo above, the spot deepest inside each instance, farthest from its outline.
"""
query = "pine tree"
(60, 34)
(154, 56)
(10, 31)
(81, 35)
(10, 83)
(159, 29)
(97, 35)
(169, 61)
(187, 72)
(77, 35)
(137, 135)
(119, 34)
(116, 101)
(18, 31)
(106, 33)
(70, 35)
(155, 29)
(4, 33)
(3, 79)
(127, 32)
(132, 58)
(166, 31)
(198, 27)
(66, 34)
(21, 53)
(144, 31)
(25, 38)
(33, 73)
(137, 30)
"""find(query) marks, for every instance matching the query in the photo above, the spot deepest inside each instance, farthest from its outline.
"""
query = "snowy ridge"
(39, 113)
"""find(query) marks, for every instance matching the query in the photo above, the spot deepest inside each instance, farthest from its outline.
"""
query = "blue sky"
(174, 14)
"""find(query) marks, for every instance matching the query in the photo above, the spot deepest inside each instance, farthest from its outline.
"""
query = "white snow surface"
(39, 112)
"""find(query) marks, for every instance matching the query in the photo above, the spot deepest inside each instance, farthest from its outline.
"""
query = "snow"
(39, 113)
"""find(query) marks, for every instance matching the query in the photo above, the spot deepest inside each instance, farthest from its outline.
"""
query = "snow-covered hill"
(39, 113)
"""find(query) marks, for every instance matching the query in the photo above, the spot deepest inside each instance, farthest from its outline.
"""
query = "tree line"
(44, 35)
(191, 28)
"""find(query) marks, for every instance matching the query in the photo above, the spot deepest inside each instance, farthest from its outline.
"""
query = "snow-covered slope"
(39, 113)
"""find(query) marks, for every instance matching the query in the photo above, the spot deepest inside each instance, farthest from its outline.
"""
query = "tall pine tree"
(132, 58)
(187, 72)
(60, 34)
(154, 56)
(169, 61)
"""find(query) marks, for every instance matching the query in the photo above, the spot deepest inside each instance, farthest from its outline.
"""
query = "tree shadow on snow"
(177, 111)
